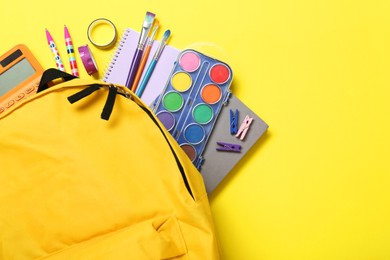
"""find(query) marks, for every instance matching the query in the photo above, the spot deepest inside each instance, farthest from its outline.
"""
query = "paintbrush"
(153, 63)
(145, 57)
(148, 21)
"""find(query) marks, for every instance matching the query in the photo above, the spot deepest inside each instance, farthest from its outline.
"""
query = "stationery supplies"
(54, 50)
(244, 127)
(153, 63)
(228, 147)
(233, 122)
(218, 164)
(148, 21)
(94, 25)
(88, 59)
(20, 73)
(70, 51)
(90, 192)
(192, 99)
(118, 67)
(145, 56)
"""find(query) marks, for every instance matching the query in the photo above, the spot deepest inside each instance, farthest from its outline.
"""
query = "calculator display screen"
(15, 75)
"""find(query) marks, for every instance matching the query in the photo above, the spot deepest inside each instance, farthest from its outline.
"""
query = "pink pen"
(70, 51)
(55, 52)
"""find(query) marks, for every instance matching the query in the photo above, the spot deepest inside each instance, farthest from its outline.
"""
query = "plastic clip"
(233, 122)
(229, 147)
(244, 127)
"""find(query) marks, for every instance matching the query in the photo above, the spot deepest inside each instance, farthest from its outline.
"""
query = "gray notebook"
(218, 164)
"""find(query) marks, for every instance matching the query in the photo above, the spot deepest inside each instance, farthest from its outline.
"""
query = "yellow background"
(317, 185)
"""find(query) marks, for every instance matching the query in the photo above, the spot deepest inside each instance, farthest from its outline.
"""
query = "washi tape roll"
(101, 22)
(87, 59)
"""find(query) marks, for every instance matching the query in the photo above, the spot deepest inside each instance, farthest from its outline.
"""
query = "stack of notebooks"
(216, 164)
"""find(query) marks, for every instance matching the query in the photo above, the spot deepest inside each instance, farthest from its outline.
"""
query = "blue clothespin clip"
(233, 122)
(229, 147)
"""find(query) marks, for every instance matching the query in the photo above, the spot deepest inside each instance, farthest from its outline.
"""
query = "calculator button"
(19, 97)
(29, 90)
(10, 103)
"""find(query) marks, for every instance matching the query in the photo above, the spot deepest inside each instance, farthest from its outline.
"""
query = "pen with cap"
(152, 64)
(55, 52)
(148, 21)
(70, 51)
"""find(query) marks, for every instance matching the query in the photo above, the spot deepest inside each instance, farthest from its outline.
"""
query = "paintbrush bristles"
(166, 35)
(155, 27)
(149, 19)
(162, 44)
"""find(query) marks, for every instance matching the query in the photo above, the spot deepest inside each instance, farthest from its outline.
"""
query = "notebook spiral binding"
(118, 49)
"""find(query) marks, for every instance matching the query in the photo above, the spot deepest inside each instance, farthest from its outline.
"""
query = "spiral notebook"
(216, 164)
(119, 66)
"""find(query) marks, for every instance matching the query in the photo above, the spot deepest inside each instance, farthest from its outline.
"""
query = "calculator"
(20, 74)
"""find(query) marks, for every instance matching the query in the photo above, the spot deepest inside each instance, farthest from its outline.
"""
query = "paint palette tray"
(192, 99)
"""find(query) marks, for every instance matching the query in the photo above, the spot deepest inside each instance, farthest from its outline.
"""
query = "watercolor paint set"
(196, 90)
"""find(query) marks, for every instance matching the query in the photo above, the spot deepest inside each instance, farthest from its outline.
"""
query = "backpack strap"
(50, 75)
(53, 74)
(110, 101)
(83, 93)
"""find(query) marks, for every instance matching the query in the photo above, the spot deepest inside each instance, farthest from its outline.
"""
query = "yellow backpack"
(75, 186)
